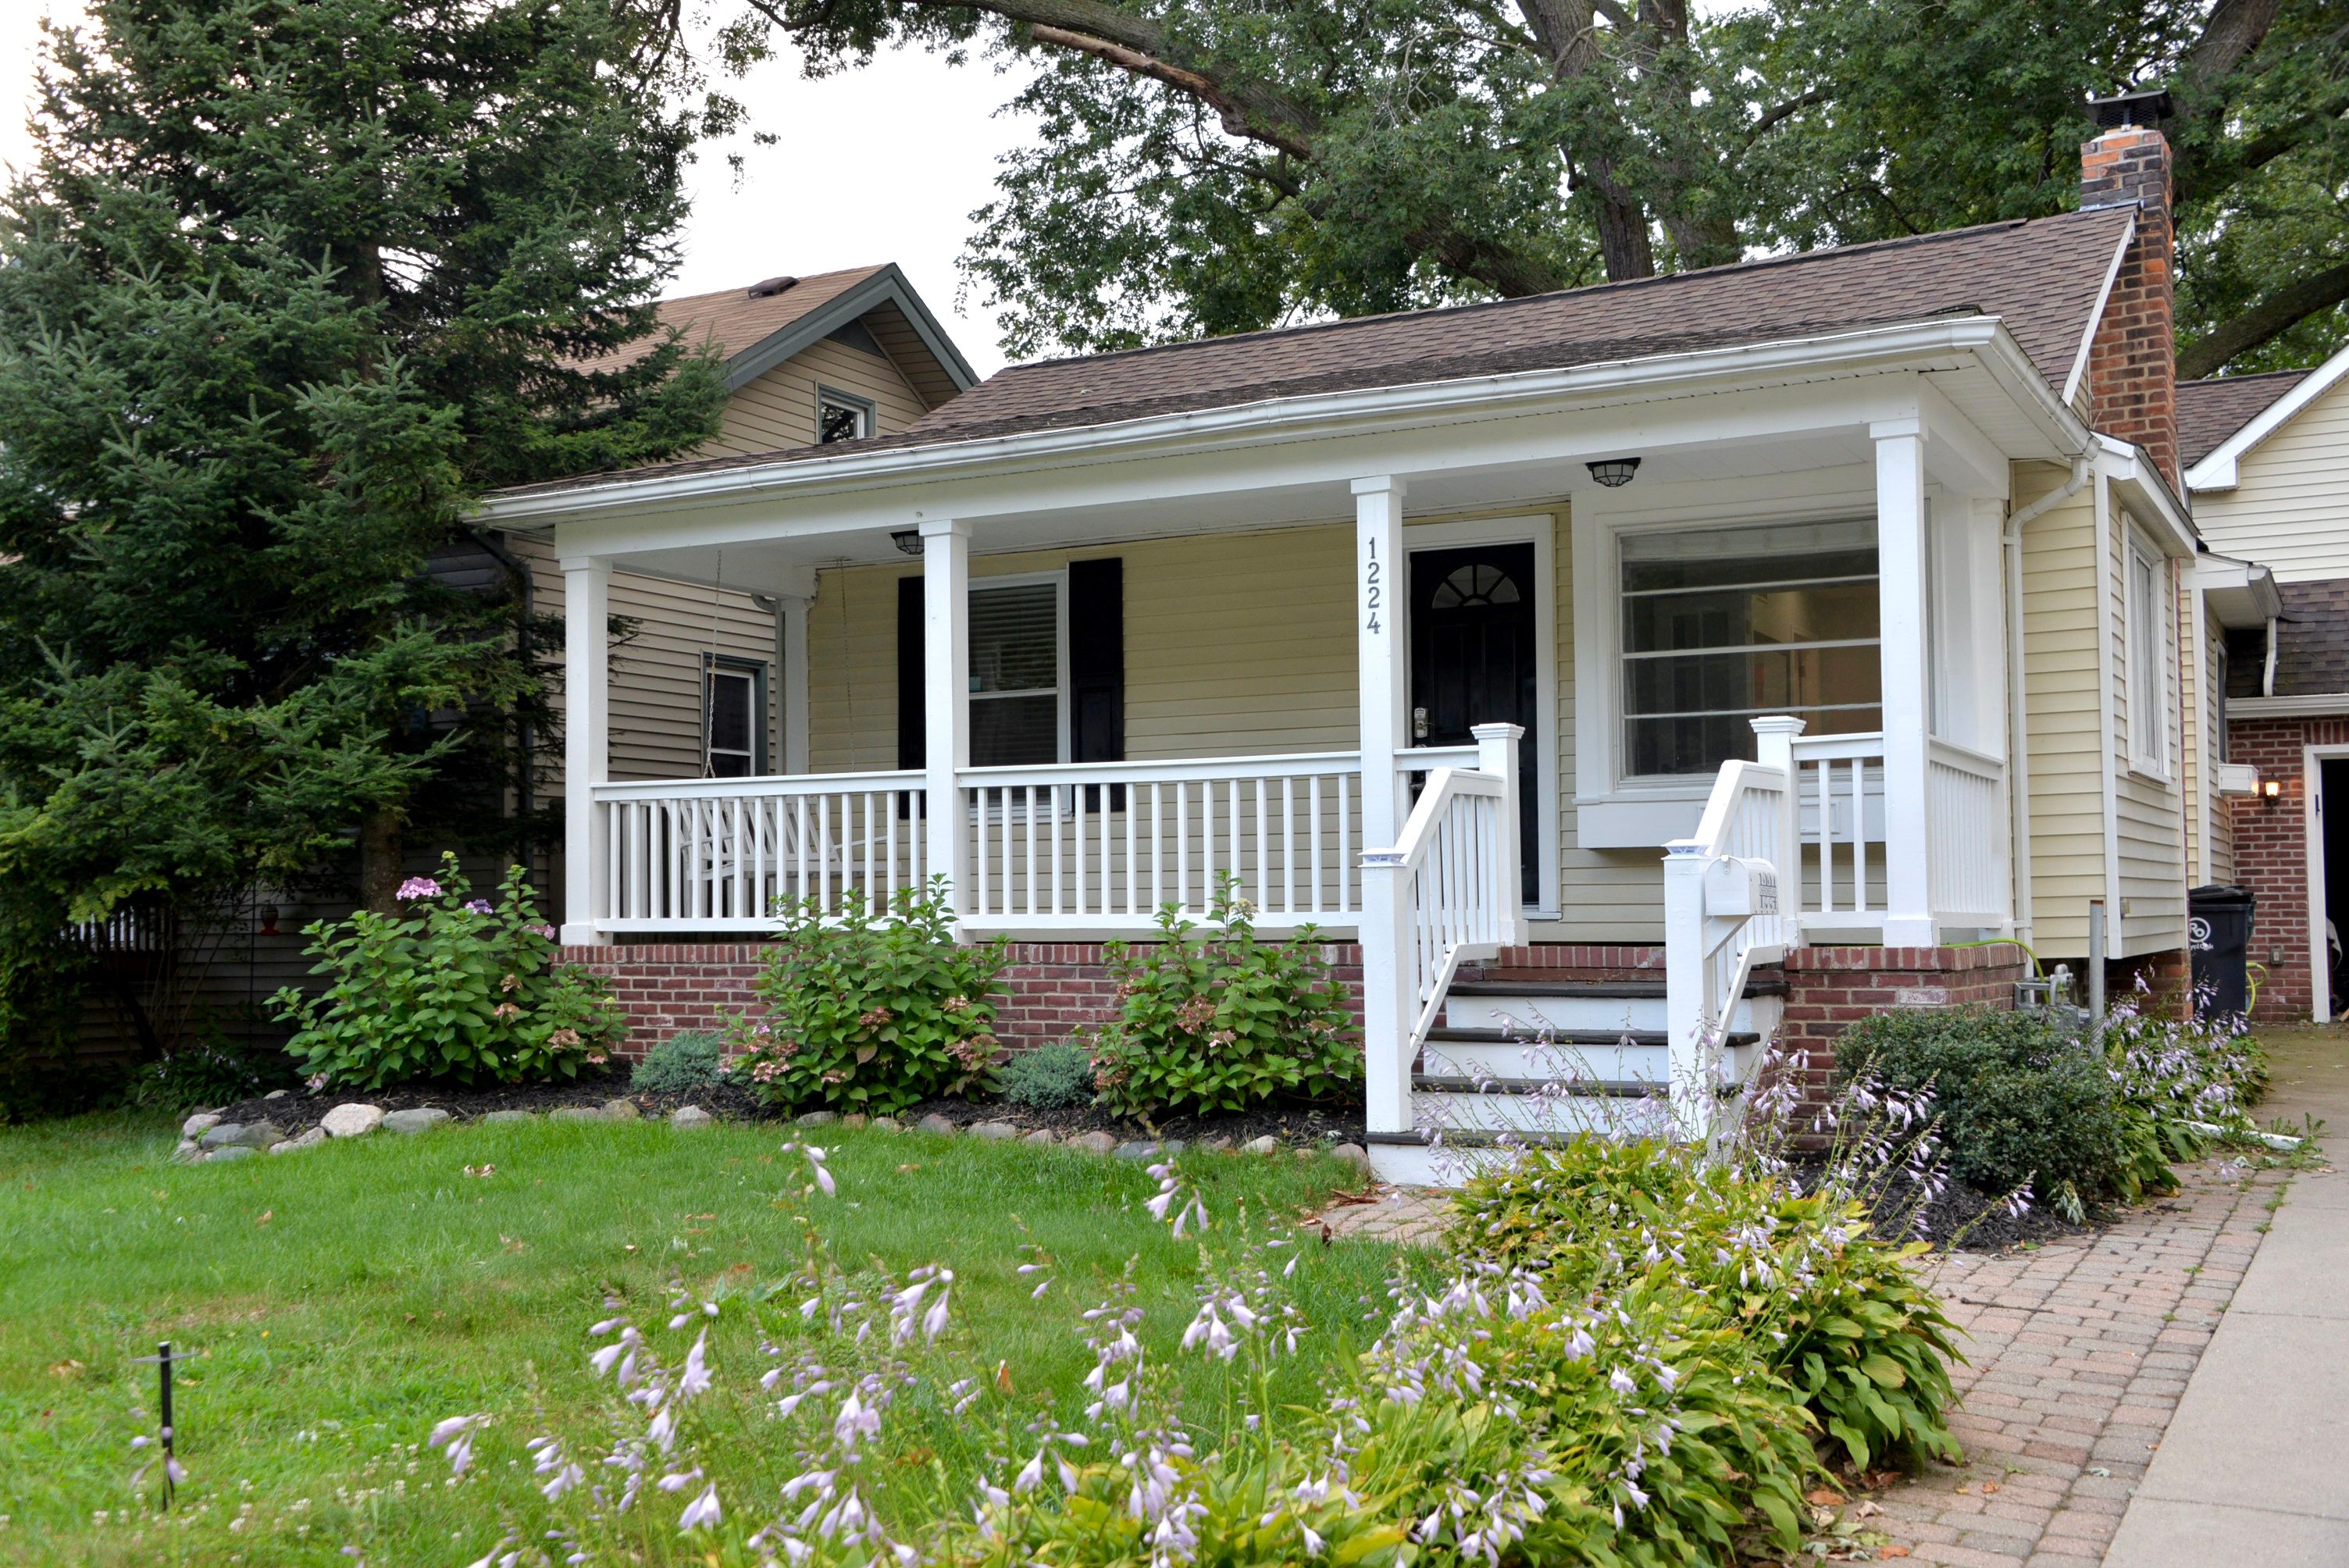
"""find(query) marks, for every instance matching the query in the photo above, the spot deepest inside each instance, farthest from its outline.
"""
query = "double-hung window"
(1018, 673)
(1724, 625)
(2146, 600)
(842, 417)
(734, 714)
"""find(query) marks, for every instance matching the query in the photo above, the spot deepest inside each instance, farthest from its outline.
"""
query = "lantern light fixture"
(908, 540)
(1613, 472)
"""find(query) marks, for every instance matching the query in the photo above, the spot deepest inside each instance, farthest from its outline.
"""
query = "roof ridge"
(739, 291)
(2248, 376)
(1758, 263)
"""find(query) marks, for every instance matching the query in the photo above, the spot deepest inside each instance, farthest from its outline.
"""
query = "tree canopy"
(290, 282)
(1211, 165)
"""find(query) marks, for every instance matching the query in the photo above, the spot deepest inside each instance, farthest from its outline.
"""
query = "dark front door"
(1471, 662)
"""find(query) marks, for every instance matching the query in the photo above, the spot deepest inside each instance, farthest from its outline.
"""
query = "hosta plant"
(1216, 1020)
(868, 1010)
(452, 987)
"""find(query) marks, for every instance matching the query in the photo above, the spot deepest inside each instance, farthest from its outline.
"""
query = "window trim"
(759, 672)
(1059, 579)
(1613, 812)
(867, 411)
(2158, 761)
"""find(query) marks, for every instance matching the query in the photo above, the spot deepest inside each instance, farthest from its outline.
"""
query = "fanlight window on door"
(1474, 585)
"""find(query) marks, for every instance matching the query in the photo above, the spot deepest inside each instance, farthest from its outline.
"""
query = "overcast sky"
(885, 164)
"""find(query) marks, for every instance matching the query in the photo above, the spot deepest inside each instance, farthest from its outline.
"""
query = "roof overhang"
(2242, 594)
(2145, 490)
(2037, 418)
(2216, 470)
(885, 286)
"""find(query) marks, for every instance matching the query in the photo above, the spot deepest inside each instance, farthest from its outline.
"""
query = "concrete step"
(1407, 1159)
(1603, 1057)
(1570, 1009)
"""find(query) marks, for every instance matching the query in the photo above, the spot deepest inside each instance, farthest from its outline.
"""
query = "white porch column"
(794, 678)
(1901, 565)
(1388, 1002)
(946, 696)
(586, 741)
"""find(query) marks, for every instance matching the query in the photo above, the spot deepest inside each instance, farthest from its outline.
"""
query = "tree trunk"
(380, 861)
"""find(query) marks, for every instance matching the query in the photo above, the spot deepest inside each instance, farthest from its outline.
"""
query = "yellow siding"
(777, 410)
(2290, 508)
(2149, 812)
(2059, 632)
(2206, 809)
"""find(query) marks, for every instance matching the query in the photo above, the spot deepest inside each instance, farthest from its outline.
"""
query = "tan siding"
(2149, 815)
(2062, 723)
(2206, 809)
(777, 410)
(2290, 508)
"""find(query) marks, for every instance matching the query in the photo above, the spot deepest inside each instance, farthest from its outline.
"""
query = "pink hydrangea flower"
(418, 887)
(478, 905)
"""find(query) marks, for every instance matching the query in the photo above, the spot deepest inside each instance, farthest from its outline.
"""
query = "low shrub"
(1824, 1305)
(2018, 1099)
(868, 1010)
(452, 987)
(1216, 1020)
(1055, 1076)
(212, 1068)
(687, 1060)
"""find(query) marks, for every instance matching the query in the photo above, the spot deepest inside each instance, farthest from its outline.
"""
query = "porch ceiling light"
(908, 540)
(1613, 472)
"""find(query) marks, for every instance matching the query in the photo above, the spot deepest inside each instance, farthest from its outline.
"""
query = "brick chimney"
(2133, 361)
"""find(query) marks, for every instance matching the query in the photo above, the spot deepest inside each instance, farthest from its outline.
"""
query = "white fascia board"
(2217, 472)
(2096, 316)
(1271, 421)
(2149, 496)
(2310, 705)
(2242, 593)
(887, 286)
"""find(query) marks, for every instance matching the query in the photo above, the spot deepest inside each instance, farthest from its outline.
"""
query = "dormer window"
(841, 418)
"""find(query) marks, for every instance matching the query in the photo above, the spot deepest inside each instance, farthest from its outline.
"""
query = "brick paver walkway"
(2078, 1353)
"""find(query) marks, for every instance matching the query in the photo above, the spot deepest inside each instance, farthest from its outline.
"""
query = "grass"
(340, 1301)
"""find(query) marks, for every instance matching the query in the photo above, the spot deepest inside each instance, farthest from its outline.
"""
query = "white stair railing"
(1724, 911)
(1450, 891)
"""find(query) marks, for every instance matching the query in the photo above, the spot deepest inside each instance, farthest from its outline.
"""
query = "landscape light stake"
(162, 1359)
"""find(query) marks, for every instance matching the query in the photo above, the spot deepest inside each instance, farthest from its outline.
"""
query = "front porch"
(1755, 702)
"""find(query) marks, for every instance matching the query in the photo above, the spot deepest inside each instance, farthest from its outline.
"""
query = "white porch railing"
(1968, 862)
(1105, 846)
(717, 854)
(1839, 801)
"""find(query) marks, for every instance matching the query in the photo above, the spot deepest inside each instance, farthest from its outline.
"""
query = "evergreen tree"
(290, 282)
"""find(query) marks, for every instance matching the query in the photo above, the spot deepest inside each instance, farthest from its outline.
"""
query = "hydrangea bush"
(1217, 1020)
(453, 987)
(869, 1009)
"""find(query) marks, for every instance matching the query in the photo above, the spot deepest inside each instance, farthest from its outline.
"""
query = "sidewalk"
(2255, 1466)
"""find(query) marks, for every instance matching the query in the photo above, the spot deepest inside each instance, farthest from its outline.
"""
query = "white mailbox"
(1734, 885)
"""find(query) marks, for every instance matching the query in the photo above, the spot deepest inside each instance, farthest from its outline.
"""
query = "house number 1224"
(1371, 591)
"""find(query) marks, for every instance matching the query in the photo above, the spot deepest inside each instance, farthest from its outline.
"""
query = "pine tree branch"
(2276, 314)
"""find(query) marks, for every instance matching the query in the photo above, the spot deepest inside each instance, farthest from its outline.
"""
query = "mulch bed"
(1960, 1216)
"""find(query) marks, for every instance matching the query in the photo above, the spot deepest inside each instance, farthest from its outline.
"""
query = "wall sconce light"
(1613, 472)
(2271, 791)
(908, 540)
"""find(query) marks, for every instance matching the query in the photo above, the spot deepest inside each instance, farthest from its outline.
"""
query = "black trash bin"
(2218, 931)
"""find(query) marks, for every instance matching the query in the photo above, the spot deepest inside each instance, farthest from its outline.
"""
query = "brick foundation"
(2271, 855)
(1829, 989)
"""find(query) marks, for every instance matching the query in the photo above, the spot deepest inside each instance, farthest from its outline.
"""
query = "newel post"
(586, 743)
(1687, 966)
(1497, 753)
(945, 697)
(1389, 999)
(1774, 747)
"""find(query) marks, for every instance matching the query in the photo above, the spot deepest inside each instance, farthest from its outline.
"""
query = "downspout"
(525, 793)
(2115, 917)
(2018, 734)
(2267, 670)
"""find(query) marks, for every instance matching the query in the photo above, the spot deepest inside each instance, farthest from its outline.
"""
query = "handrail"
(762, 784)
(1468, 911)
(1295, 764)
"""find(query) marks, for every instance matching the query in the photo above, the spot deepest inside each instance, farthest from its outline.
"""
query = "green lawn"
(344, 1299)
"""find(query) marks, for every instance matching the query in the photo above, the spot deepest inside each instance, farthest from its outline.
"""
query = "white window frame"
(759, 672)
(2147, 654)
(1059, 585)
(1615, 811)
(868, 412)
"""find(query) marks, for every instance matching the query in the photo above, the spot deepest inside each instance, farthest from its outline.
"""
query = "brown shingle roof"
(2041, 276)
(2312, 644)
(734, 321)
(2210, 411)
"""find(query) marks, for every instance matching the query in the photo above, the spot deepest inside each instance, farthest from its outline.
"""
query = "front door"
(1471, 662)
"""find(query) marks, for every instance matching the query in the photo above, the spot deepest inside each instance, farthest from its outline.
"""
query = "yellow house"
(1681, 664)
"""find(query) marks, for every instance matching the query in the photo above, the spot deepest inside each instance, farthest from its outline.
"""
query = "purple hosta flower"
(173, 1471)
(418, 887)
(908, 1311)
(815, 1158)
(456, 1435)
(1186, 1210)
(701, 1512)
(2018, 1202)
(548, 1460)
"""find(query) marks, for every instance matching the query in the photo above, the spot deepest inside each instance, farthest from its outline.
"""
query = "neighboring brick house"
(2268, 470)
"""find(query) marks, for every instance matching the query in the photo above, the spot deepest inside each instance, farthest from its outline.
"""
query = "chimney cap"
(767, 287)
(2126, 110)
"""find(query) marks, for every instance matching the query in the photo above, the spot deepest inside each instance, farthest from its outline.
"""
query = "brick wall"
(2272, 854)
(1829, 989)
(2132, 361)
